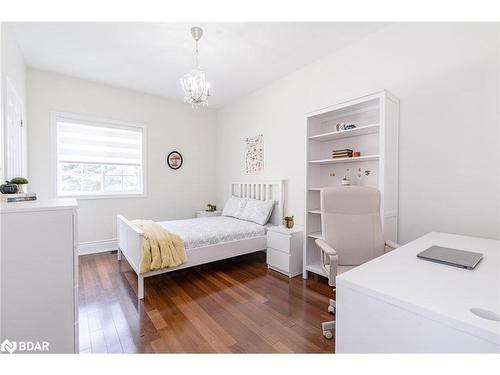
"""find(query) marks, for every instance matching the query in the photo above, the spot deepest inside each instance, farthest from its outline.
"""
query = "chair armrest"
(333, 261)
(391, 245)
(325, 247)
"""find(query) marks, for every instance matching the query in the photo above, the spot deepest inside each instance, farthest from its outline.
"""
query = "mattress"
(213, 230)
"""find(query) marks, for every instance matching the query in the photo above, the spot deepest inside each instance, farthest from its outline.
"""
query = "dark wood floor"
(232, 306)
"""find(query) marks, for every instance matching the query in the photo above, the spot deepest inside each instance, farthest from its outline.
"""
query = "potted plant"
(20, 182)
(288, 221)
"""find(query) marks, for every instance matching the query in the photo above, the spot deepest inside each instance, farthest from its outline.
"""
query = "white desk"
(398, 303)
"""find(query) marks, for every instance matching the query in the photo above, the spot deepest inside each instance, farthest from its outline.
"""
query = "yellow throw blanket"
(160, 248)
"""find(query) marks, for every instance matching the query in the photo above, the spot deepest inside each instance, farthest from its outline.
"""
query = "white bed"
(207, 239)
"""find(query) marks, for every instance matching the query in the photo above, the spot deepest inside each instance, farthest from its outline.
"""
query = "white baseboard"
(94, 247)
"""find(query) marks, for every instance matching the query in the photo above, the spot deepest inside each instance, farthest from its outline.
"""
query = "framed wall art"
(174, 160)
(255, 154)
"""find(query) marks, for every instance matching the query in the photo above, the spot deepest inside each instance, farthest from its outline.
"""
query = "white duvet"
(212, 230)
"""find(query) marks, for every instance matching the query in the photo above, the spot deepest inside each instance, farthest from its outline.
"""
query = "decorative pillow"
(257, 211)
(234, 206)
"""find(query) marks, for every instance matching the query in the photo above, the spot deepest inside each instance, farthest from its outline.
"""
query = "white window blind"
(95, 158)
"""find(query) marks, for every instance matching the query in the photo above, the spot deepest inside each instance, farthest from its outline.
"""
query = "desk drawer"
(278, 241)
(278, 259)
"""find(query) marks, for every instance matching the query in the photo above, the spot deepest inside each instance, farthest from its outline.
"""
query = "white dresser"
(284, 250)
(39, 287)
(398, 303)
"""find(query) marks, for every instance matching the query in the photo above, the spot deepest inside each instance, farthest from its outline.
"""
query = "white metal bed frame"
(130, 237)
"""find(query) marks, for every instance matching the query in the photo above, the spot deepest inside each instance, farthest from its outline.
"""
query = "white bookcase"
(376, 136)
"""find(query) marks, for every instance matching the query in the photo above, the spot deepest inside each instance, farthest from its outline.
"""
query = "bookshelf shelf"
(376, 116)
(362, 130)
(345, 160)
(316, 268)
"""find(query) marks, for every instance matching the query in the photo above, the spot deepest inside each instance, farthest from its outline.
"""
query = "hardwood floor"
(232, 306)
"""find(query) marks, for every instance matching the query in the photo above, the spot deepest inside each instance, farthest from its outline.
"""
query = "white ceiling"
(238, 58)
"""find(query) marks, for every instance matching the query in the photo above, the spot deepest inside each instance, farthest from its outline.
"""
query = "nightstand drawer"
(278, 259)
(278, 241)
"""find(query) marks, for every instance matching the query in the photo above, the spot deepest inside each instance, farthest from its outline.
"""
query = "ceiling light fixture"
(195, 86)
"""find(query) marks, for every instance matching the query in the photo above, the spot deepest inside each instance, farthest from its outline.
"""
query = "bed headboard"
(266, 190)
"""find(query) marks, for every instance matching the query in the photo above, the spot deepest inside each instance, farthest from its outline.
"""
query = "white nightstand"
(284, 250)
(203, 213)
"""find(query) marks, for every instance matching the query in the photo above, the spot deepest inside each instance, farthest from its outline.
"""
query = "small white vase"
(346, 182)
(20, 189)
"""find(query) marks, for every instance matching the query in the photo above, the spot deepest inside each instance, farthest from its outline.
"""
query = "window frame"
(88, 120)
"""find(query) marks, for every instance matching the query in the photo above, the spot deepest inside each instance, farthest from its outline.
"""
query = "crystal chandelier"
(195, 86)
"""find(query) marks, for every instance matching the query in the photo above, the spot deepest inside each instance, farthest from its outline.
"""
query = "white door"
(15, 135)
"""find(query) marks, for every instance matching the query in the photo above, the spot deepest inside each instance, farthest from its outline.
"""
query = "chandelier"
(195, 86)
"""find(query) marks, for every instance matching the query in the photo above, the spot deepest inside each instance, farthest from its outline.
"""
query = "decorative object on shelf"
(288, 222)
(343, 126)
(174, 160)
(346, 181)
(366, 172)
(344, 153)
(8, 188)
(356, 154)
(255, 154)
(18, 197)
(211, 207)
(20, 182)
(332, 174)
(194, 84)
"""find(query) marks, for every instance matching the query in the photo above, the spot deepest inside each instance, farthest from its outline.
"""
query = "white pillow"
(257, 211)
(234, 206)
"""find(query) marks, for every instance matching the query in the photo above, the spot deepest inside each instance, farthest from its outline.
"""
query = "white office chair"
(352, 233)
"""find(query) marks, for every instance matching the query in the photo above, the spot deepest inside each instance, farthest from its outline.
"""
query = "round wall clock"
(174, 160)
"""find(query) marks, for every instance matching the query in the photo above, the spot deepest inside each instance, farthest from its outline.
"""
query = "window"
(98, 158)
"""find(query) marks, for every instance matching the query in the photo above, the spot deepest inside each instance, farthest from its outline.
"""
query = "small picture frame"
(174, 160)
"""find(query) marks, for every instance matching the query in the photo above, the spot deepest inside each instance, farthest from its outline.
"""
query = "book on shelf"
(343, 150)
(341, 156)
(17, 197)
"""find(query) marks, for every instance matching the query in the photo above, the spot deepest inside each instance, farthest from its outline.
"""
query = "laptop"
(451, 257)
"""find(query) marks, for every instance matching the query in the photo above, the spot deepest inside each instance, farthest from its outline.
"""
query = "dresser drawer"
(278, 259)
(278, 241)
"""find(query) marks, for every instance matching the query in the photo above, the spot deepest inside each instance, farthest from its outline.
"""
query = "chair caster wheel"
(328, 334)
(331, 309)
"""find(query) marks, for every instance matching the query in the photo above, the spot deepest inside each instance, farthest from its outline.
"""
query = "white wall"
(170, 126)
(445, 76)
(11, 65)
(13, 68)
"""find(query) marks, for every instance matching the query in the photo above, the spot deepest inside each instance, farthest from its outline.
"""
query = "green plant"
(19, 181)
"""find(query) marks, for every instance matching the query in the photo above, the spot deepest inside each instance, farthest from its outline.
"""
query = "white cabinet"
(203, 213)
(40, 273)
(284, 250)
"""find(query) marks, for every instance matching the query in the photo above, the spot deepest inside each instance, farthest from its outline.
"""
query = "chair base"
(328, 328)
(331, 307)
